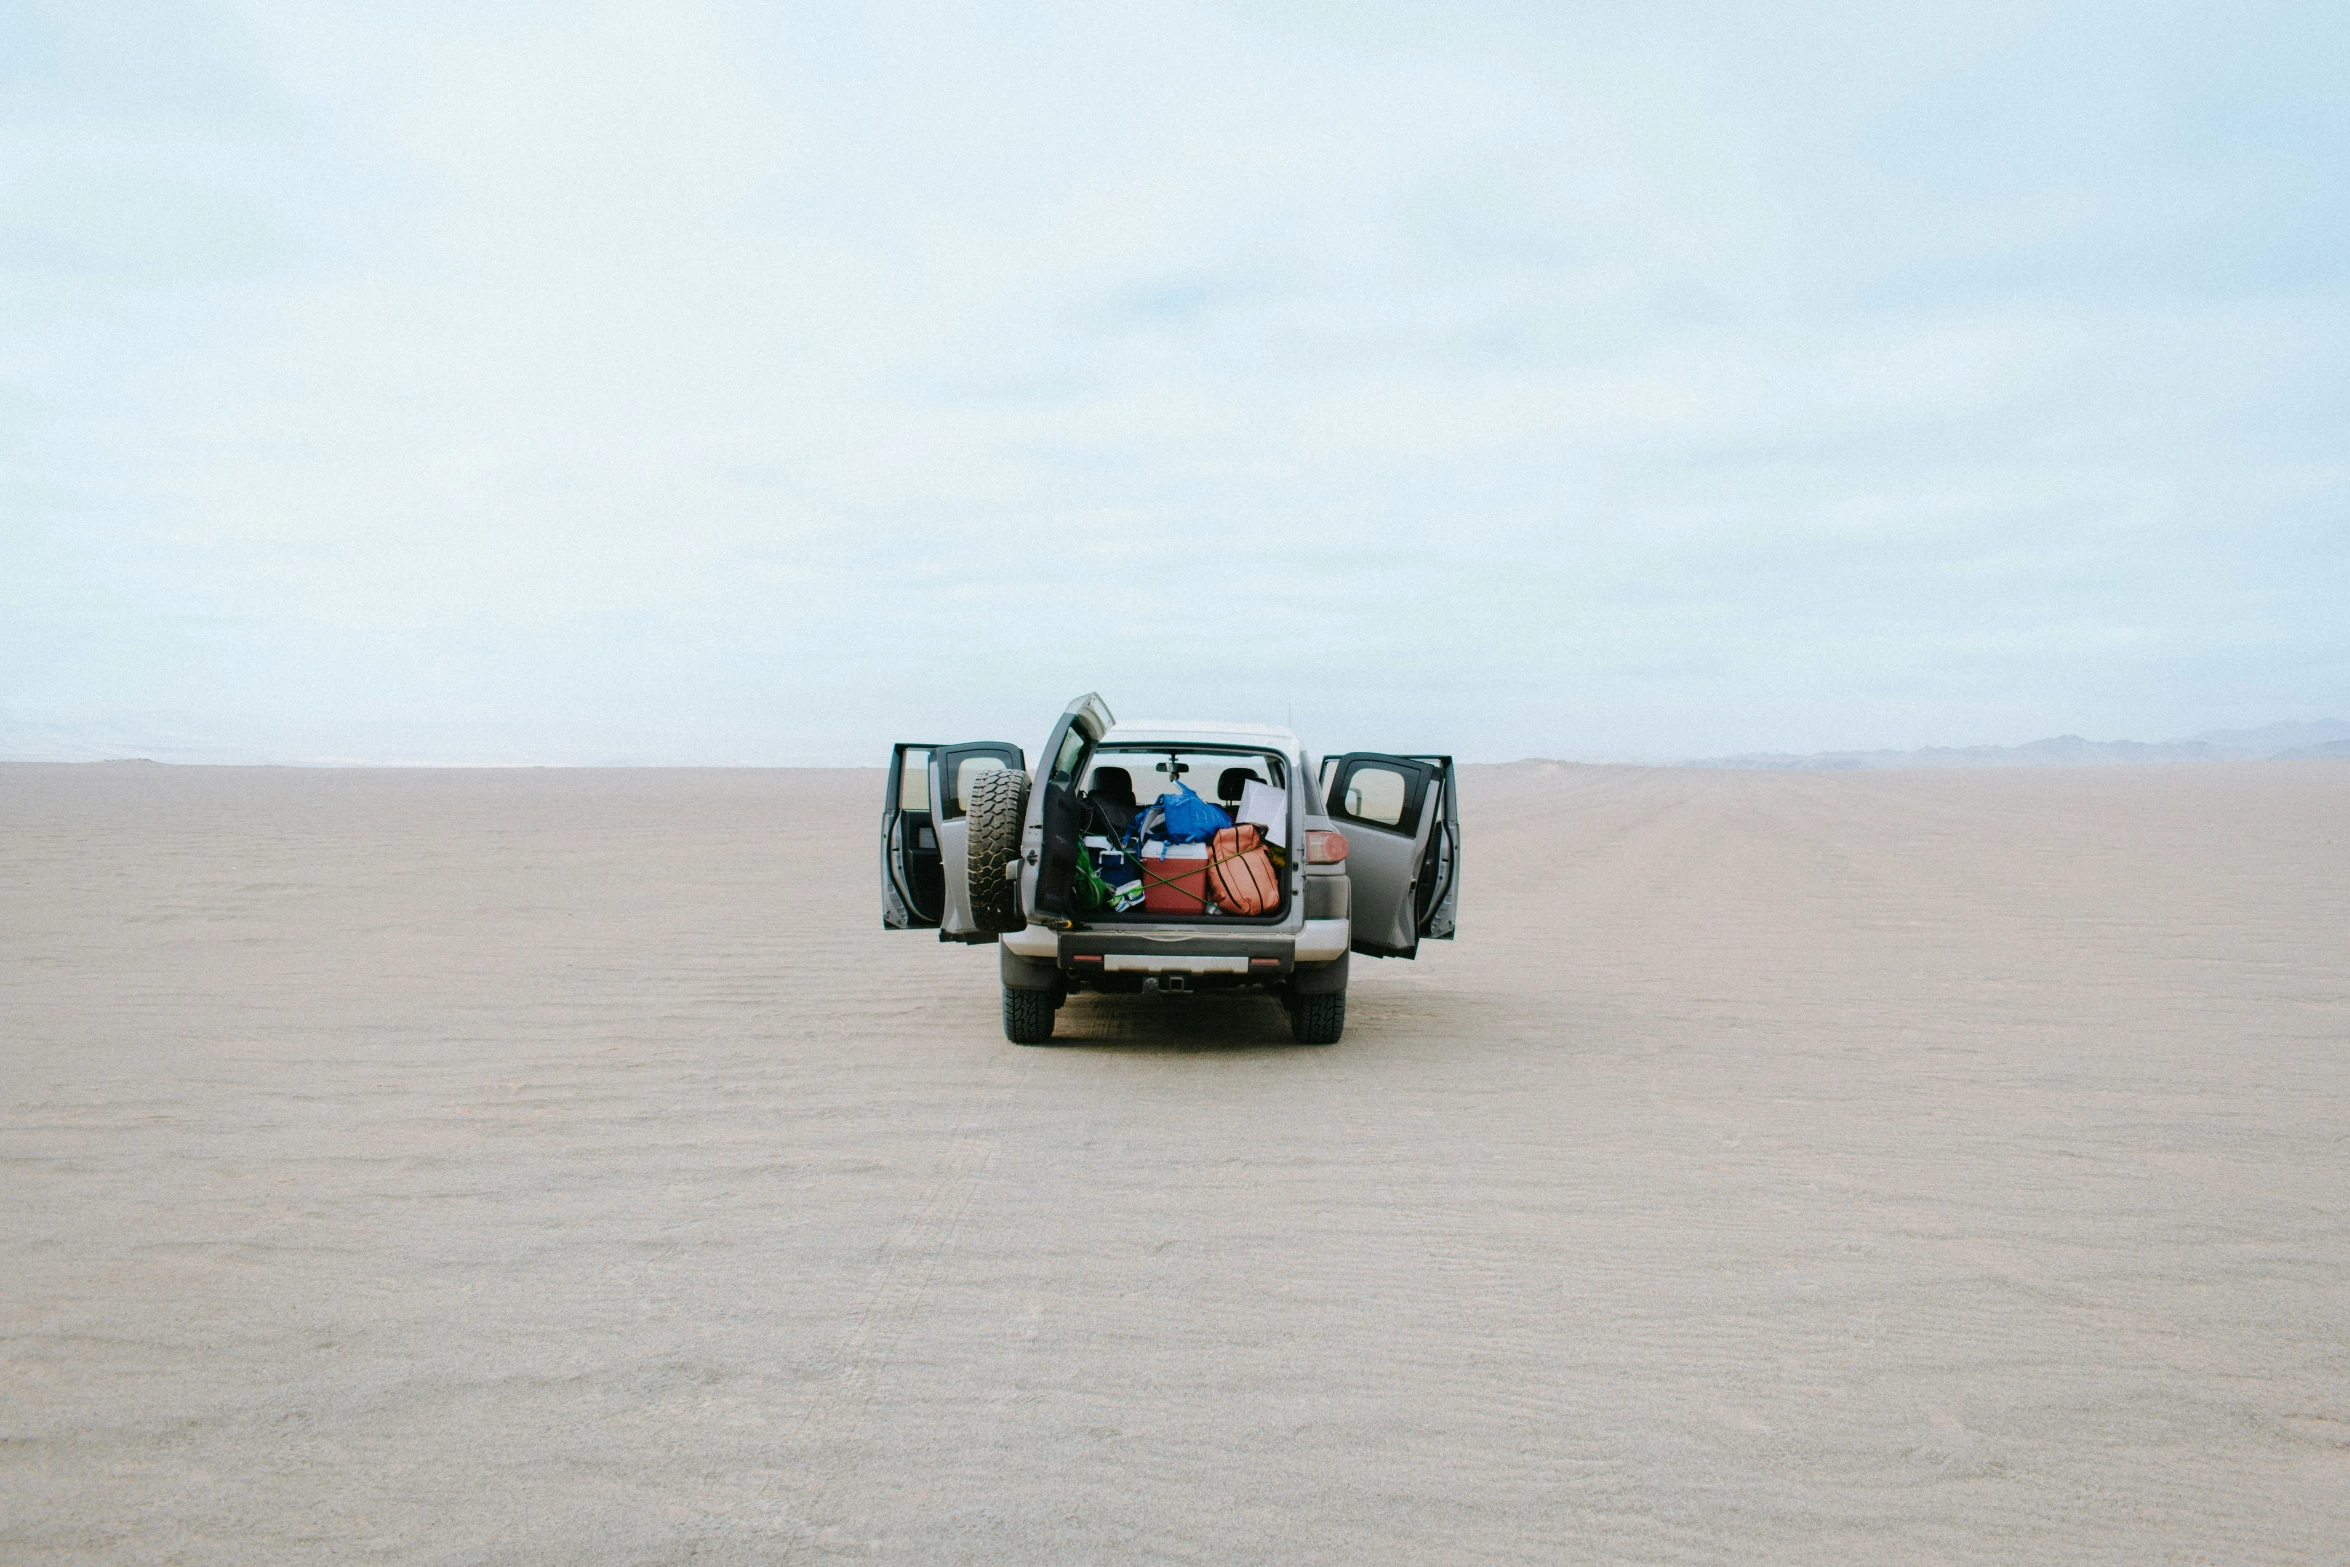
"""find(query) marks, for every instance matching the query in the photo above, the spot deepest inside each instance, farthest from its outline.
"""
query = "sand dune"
(565, 1167)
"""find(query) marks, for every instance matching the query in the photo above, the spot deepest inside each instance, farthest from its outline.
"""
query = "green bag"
(1092, 892)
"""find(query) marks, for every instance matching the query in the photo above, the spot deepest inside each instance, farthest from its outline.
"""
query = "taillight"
(1325, 848)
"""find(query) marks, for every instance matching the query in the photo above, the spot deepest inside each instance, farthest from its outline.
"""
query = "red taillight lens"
(1325, 848)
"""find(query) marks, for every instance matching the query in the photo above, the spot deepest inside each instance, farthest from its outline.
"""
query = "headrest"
(1233, 782)
(1116, 782)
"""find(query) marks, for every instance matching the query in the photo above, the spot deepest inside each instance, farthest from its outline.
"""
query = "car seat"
(1113, 798)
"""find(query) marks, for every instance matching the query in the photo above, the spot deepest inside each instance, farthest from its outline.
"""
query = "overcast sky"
(700, 382)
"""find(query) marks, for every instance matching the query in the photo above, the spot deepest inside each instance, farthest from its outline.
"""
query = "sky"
(760, 383)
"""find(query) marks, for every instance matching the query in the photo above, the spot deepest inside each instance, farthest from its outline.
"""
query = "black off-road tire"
(1028, 1015)
(1318, 1019)
(998, 809)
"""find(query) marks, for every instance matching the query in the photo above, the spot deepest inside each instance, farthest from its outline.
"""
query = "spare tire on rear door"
(996, 807)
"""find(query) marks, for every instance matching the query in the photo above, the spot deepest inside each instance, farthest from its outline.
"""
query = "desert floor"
(565, 1167)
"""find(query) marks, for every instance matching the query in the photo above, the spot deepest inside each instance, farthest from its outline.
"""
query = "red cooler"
(1175, 878)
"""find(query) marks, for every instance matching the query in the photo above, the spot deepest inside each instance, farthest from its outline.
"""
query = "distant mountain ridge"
(25, 740)
(28, 740)
(2288, 741)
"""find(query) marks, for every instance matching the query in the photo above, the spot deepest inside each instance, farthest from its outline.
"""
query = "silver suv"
(974, 848)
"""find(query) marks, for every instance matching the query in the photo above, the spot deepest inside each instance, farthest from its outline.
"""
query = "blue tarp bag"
(1191, 819)
(1149, 822)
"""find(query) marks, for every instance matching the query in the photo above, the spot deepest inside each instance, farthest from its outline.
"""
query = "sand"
(1783, 1167)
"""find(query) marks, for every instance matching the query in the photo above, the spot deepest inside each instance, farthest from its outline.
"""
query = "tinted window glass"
(1375, 794)
(1072, 749)
(1155, 773)
(914, 782)
(969, 769)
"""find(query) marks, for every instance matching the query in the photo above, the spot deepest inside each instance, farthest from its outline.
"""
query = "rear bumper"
(1186, 951)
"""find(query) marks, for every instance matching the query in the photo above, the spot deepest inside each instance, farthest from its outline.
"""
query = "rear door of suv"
(1439, 892)
(1403, 835)
(1056, 822)
(921, 843)
(912, 894)
(952, 767)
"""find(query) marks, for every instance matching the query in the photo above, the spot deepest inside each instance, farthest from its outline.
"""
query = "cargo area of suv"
(1122, 782)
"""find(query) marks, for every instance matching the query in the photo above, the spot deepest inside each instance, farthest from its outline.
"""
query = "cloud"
(767, 384)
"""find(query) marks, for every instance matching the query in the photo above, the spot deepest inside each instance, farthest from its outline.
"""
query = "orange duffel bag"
(1240, 872)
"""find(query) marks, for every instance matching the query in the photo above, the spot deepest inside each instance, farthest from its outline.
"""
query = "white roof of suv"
(1203, 731)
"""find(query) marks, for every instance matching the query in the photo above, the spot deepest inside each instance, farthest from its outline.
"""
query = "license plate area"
(1154, 963)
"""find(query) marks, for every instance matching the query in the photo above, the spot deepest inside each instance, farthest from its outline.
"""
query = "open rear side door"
(913, 891)
(1056, 826)
(1439, 898)
(952, 767)
(1403, 847)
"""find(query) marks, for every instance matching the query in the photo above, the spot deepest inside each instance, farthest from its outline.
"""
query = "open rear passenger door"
(952, 767)
(913, 892)
(1403, 837)
(1439, 895)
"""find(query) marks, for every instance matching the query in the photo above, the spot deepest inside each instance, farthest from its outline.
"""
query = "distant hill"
(2332, 751)
(2274, 740)
(2325, 739)
(27, 740)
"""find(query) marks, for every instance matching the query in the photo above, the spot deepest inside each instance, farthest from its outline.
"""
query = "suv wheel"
(1028, 1015)
(1317, 1019)
(997, 809)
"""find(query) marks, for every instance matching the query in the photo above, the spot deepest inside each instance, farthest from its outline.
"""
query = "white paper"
(1268, 807)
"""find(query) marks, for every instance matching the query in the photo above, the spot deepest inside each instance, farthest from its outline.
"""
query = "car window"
(1376, 794)
(968, 772)
(1155, 773)
(1071, 753)
(914, 781)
